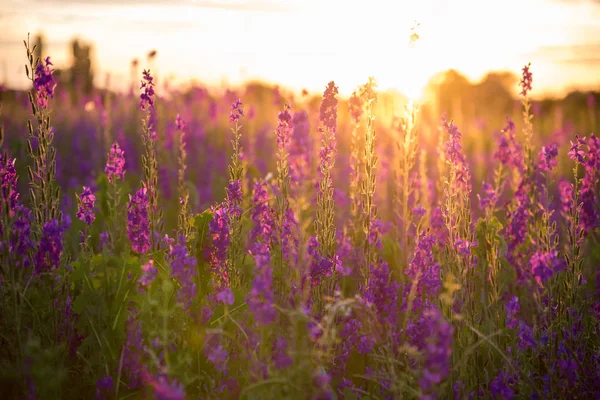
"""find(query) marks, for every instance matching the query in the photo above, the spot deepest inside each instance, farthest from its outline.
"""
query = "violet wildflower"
(234, 199)
(565, 189)
(424, 268)
(383, 292)
(138, 225)
(133, 352)
(147, 96)
(85, 208)
(237, 111)
(165, 390)
(328, 110)
(284, 127)
(105, 387)
(225, 296)
(8, 184)
(183, 268)
(437, 349)
(115, 165)
(260, 300)
(50, 247)
(526, 337)
(300, 149)
(419, 211)
(455, 155)
(590, 204)
(576, 152)
(43, 82)
(509, 152)
(488, 200)
(180, 122)
(526, 80)
(216, 354)
(320, 267)
(281, 358)
(463, 247)
(219, 231)
(20, 240)
(512, 309)
(545, 264)
(149, 273)
(547, 157)
(518, 218)
(501, 388)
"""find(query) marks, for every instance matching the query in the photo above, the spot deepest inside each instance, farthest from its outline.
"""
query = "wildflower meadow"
(255, 243)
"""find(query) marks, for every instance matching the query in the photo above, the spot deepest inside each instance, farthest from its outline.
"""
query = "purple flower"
(328, 111)
(320, 267)
(234, 198)
(115, 165)
(424, 268)
(149, 272)
(50, 246)
(85, 208)
(300, 149)
(576, 152)
(526, 80)
(281, 359)
(147, 96)
(165, 390)
(565, 189)
(133, 352)
(547, 157)
(219, 231)
(284, 127)
(517, 226)
(8, 184)
(237, 111)
(183, 268)
(488, 200)
(43, 82)
(20, 240)
(526, 338)
(105, 387)
(382, 291)
(455, 155)
(512, 309)
(225, 296)
(437, 349)
(509, 152)
(419, 211)
(463, 247)
(216, 354)
(260, 300)
(500, 387)
(545, 264)
(138, 225)
(180, 123)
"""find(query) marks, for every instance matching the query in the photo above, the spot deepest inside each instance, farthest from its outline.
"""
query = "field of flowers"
(258, 244)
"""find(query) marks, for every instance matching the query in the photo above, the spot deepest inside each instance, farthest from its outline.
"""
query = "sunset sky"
(306, 43)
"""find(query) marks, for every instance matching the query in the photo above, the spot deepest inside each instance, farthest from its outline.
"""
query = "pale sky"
(307, 43)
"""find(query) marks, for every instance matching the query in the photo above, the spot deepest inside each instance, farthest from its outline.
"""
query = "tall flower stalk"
(406, 149)
(115, 170)
(45, 193)
(283, 210)
(147, 104)
(184, 195)
(234, 197)
(324, 244)
(368, 180)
